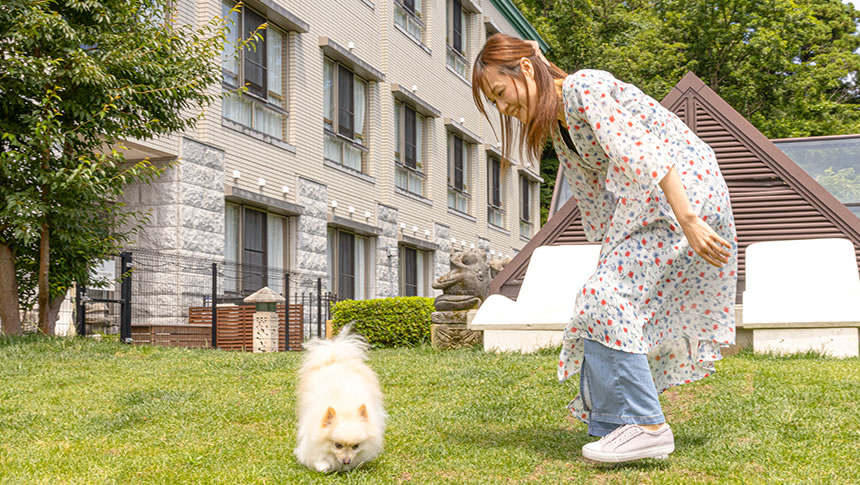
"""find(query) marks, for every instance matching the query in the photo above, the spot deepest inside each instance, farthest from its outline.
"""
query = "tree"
(789, 66)
(76, 79)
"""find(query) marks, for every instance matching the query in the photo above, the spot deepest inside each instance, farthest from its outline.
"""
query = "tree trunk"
(54, 309)
(45, 325)
(9, 311)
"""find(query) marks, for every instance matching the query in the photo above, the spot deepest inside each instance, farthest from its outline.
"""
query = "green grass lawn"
(79, 411)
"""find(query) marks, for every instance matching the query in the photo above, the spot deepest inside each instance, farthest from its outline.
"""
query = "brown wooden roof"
(772, 197)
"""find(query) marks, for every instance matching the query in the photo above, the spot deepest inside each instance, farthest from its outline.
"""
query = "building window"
(495, 201)
(458, 174)
(345, 114)
(409, 15)
(414, 271)
(408, 148)
(261, 69)
(525, 208)
(256, 246)
(347, 264)
(456, 56)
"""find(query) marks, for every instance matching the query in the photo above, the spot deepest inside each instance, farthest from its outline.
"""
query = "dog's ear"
(362, 411)
(328, 419)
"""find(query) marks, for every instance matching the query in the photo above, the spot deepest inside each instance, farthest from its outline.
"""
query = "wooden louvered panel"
(189, 336)
(721, 140)
(750, 173)
(235, 326)
(742, 222)
(743, 165)
(735, 153)
(291, 327)
(573, 234)
(757, 208)
(782, 236)
(751, 195)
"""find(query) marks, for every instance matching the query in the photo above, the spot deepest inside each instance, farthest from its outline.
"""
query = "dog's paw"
(322, 466)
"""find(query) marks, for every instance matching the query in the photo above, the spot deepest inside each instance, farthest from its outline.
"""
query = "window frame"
(525, 216)
(241, 245)
(272, 101)
(464, 191)
(403, 252)
(412, 16)
(335, 276)
(456, 59)
(332, 127)
(494, 167)
(401, 162)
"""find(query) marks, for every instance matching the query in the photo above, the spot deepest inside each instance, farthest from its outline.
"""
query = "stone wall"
(441, 257)
(186, 213)
(387, 263)
(311, 234)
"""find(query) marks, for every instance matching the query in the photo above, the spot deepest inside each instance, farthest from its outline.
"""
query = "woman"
(661, 301)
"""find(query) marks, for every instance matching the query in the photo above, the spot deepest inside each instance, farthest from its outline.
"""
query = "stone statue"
(464, 288)
(467, 285)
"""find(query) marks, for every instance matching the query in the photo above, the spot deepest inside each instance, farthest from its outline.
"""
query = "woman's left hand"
(705, 242)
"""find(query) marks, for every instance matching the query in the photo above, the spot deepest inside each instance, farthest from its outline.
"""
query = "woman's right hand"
(706, 242)
(536, 46)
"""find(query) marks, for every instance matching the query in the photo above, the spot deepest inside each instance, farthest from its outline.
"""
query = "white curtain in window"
(332, 149)
(268, 121)
(359, 89)
(416, 184)
(351, 157)
(360, 267)
(275, 56)
(420, 261)
(328, 97)
(275, 245)
(231, 246)
(400, 178)
(229, 59)
(237, 108)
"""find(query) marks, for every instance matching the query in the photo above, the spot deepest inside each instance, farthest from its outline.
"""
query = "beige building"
(356, 154)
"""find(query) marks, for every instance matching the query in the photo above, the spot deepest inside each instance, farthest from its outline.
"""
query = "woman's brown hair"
(504, 53)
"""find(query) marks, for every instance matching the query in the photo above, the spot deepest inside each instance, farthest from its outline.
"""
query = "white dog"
(340, 413)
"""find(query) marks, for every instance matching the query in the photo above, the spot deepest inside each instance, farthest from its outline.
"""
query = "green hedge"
(387, 322)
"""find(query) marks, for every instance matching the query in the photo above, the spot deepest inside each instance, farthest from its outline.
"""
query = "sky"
(855, 2)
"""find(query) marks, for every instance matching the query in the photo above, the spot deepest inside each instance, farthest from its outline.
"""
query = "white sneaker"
(631, 442)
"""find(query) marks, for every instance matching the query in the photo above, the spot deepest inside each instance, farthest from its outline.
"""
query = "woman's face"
(509, 93)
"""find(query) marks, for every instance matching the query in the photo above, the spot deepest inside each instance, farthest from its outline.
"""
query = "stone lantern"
(265, 319)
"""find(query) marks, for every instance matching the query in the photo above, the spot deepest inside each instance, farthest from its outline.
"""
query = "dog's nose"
(346, 461)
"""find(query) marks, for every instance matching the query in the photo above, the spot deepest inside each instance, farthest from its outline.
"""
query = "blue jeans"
(618, 389)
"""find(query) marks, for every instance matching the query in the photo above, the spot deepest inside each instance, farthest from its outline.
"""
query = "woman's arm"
(705, 242)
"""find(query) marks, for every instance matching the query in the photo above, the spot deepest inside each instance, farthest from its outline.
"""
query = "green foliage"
(789, 66)
(548, 170)
(387, 322)
(77, 78)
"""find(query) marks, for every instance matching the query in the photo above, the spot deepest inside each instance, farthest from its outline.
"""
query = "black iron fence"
(169, 292)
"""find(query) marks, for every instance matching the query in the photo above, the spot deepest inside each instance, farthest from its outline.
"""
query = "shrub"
(387, 322)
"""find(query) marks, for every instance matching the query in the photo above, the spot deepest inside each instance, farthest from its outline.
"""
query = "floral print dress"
(650, 293)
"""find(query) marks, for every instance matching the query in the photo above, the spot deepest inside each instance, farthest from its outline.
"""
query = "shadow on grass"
(566, 445)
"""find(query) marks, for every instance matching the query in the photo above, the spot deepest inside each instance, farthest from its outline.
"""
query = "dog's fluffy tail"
(345, 346)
